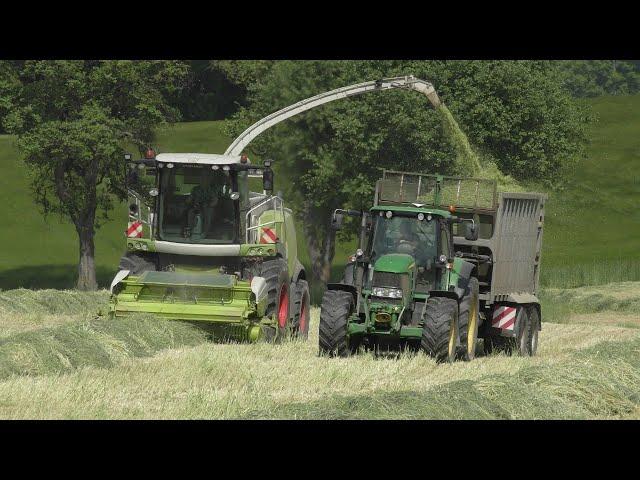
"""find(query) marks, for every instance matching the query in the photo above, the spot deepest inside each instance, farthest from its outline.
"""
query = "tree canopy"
(73, 119)
(515, 113)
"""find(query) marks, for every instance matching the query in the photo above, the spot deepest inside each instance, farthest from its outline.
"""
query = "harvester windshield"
(196, 205)
(405, 234)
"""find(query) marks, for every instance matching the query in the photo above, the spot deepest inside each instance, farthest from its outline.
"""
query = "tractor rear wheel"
(276, 274)
(337, 306)
(469, 313)
(301, 310)
(440, 330)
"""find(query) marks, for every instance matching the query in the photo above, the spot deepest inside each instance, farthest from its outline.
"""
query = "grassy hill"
(590, 234)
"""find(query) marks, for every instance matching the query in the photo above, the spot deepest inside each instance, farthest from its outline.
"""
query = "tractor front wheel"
(440, 330)
(337, 306)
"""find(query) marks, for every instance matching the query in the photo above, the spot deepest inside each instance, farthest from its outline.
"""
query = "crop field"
(59, 360)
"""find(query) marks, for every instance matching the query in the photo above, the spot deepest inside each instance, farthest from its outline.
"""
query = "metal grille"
(437, 190)
(386, 279)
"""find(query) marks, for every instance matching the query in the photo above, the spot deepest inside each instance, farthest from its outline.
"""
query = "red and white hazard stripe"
(268, 236)
(504, 318)
(134, 230)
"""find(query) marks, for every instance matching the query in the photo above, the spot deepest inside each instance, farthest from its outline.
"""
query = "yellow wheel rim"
(471, 327)
(452, 337)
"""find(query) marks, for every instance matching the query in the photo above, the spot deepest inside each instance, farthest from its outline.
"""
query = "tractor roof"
(198, 158)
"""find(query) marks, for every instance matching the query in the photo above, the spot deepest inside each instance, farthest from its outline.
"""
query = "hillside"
(590, 233)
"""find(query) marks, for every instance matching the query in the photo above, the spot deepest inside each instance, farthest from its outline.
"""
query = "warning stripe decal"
(268, 236)
(134, 230)
(504, 318)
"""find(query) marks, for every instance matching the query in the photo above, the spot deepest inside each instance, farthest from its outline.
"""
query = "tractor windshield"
(195, 205)
(405, 234)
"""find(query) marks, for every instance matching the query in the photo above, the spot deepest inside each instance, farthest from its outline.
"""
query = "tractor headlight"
(386, 292)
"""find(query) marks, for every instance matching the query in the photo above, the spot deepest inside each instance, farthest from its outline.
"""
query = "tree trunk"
(86, 266)
(321, 243)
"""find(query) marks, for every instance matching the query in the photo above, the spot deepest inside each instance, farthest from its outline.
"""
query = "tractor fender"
(467, 270)
(345, 288)
(443, 293)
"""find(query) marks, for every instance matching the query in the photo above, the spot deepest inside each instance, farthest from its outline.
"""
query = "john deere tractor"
(442, 261)
(201, 247)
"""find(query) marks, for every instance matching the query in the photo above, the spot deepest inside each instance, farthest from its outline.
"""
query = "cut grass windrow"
(98, 342)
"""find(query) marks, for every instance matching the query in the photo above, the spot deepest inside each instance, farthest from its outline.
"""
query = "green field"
(590, 234)
(57, 360)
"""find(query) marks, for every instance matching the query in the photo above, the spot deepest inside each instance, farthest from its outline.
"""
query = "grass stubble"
(146, 368)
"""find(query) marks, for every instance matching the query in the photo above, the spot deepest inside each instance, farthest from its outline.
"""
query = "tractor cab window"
(405, 234)
(196, 205)
(445, 241)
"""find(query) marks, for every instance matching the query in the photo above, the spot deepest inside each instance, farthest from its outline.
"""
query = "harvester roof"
(198, 158)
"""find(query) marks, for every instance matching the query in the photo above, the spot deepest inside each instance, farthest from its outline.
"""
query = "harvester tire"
(440, 330)
(136, 263)
(469, 321)
(301, 310)
(337, 306)
(276, 274)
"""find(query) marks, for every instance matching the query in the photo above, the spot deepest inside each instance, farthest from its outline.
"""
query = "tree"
(72, 120)
(516, 114)
(592, 78)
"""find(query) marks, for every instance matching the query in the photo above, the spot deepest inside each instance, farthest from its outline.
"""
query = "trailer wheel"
(276, 274)
(440, 329)
(136, 263)
(336, 308)
(534, 328)
(519, 344)
(469, 320)
(301, 310)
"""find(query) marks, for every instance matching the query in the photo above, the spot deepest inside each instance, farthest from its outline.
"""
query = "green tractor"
(442, 261)
(202, 247)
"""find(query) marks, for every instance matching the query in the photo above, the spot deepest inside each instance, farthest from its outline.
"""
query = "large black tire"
(137, 263)
(301, 310)
(469, 320)
(333, 340)
(440, 329)
(534, 328)
(276, 274)
(510, 345)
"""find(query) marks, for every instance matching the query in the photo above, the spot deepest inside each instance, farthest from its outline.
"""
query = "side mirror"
(336, 221)
(471, 233)
(267, 179)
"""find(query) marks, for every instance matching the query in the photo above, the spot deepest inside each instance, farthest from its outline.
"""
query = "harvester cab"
(202, 247)
(424, 273)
